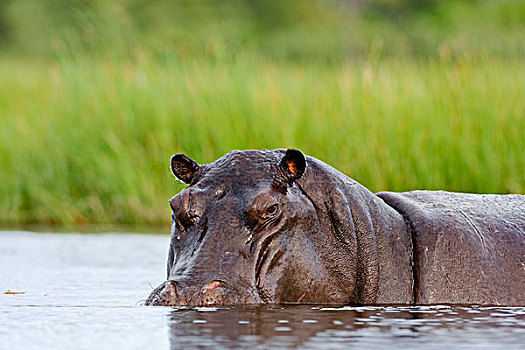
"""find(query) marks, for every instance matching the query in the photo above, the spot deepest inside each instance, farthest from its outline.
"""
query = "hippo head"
(245, 231)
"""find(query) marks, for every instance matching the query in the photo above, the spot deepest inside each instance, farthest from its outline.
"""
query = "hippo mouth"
(216, 292)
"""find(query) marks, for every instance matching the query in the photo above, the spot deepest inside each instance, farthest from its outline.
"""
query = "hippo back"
(468, 248)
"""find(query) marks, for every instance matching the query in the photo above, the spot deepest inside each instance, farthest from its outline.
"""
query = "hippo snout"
(171, 294)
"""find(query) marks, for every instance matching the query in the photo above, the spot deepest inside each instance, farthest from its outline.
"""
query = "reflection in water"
(331, 327)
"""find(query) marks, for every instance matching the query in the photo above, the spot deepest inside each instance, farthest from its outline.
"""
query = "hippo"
(276, 226)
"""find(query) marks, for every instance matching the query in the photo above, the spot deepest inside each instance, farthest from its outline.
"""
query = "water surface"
(85, 291)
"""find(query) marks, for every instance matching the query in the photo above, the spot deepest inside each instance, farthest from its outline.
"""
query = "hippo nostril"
(171, 289)
(212, 293)
(211, 285)
(165, 294)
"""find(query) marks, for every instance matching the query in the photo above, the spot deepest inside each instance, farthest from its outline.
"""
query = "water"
(85, 291)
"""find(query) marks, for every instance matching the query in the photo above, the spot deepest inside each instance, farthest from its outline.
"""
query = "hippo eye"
(272, 210)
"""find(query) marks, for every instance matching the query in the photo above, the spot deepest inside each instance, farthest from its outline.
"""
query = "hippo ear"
(183, 167)
(293, 164)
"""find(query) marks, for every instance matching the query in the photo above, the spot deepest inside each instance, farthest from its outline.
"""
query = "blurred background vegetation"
(96, 95)
(297, 30)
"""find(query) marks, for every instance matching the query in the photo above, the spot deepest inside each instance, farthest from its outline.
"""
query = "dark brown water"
(84, 291)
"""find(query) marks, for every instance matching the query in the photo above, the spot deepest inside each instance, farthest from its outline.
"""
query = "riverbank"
(89, 142)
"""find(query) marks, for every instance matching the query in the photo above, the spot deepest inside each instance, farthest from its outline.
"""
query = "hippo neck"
(395, 253)
(384, 244)
(385, 251)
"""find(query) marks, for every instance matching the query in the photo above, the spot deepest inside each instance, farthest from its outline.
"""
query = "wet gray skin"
(278, 227)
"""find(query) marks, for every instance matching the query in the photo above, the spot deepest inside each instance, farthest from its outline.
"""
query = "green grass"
(87, 141)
